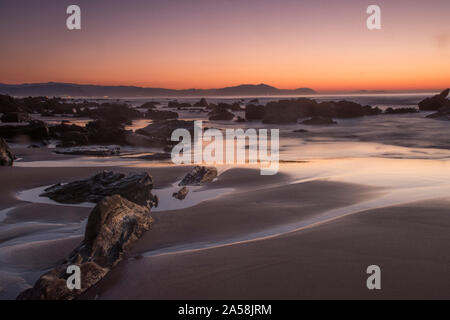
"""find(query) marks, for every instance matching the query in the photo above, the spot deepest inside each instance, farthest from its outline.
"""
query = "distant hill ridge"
(85, 90)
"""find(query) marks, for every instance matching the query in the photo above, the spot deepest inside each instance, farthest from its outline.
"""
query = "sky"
(180, 44)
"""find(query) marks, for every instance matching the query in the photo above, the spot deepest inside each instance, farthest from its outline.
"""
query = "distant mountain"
(81, 90)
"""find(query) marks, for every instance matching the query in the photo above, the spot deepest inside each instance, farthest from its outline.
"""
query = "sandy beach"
(305, 233)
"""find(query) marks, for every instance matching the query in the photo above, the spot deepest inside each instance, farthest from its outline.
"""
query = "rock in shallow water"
(135, 187)
(6, 156)
(181, 194)
(199, 176)
(113, 227)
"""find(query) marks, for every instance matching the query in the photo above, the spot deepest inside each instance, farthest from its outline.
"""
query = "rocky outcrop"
(6, 156)
(160, 132)
(319, 121)
(436, 102)
(113, 227)
(178, 105)
(254, 112)
(135, 187)
(218, 114)
(199, 176)
(289, 111)
(181, 194)
(201, 103)
(106, 132)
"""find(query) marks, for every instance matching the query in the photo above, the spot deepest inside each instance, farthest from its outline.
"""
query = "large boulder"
(6, 156)
(106, 132)
(199, 176)
(113, 227)
(254, 112)
(201, 103)
(436, 102)
(135, 187)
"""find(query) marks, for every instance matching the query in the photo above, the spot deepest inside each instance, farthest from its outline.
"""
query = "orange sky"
(324, 45)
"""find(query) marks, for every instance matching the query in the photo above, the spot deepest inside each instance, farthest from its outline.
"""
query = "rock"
(199, 176)
(160, 156)
(113, 112)
(400, 110)
(161, 115)
(160, 132)
(301, 131)
(148, 105)
(135, 187)
(254, 112)
(436, 102)
(178, 105)
(319, 121)
(254, 101)
(106, 132)
(8, 104)
(98, 151)
(36, 130)
(15, 117)
(201, 103)
(442, 114)
(220, 113)
(181, 194)
(113, 227)
(6, 156)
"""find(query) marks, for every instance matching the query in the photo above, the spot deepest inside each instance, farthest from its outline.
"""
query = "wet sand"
(269, 238)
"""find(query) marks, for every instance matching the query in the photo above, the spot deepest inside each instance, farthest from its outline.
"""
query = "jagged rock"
(199, 176)
(181, 194)
(400, 110)
(15, 117)
(135, 187)
(254, 112)
(98, 151)
(319, 121)
(161, 115)
(6, 156)
(36, 130)
(113, 227)
(436, 102)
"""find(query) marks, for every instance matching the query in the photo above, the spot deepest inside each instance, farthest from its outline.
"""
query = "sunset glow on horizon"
(288, 44)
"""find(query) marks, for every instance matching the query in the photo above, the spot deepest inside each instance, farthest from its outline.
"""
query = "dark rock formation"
(161, 115)
(301, 131)
(113, 227)
(436, 102)
(220, 113)
(35, 130)
(6, 156)
(106, 132)
(289, 111)
(113, 112)
(442, 114)
(400, 110)
(15, 117)
(239, 119)
(201, 103)
(181, 194)
(199, 176)
(254, 101)
(99, 151)
(135, 187)
(319, 121)
(148, 105)
(178, 105)
(160, 132)
(254, 112)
